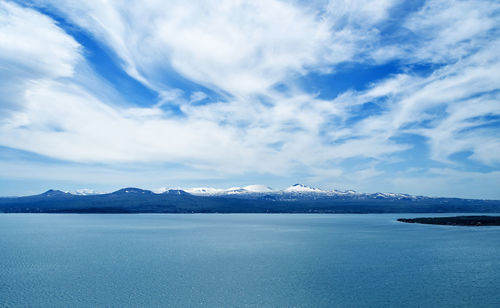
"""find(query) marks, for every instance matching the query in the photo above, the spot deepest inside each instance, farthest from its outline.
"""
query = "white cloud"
(451, 183)
(240, 50)
(241, 47)
(197, 96)
(441, 32)
(362, 13)
(31, 47)
(236, 46)
(463, 90)
(452, 105)
(450, 30)
(22, 31)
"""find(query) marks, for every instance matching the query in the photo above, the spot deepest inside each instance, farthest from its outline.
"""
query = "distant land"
(456, 221)
(251, 199)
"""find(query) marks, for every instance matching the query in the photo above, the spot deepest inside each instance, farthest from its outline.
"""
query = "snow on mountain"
(250, 189)
(160, 190)
(234, 191)
(175, 192)
(204, 191)
(54, 193)
(345, 192)
(256, 191)
(299, 188)
(85, 192)
(392, 196)
(132, 191)
(258, 188)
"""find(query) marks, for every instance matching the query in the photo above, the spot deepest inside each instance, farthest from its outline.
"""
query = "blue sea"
(245, 260)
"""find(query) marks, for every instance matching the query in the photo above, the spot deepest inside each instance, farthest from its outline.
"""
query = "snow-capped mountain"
(209, 191)
(255, 191)
(132, 191)
(85, 192)
(294, 192)
(297, 198)
(204, 191)
(258, 188)
(54, 193)
(300, 188)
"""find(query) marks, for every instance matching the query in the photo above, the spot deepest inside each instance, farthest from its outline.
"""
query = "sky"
(375, 96)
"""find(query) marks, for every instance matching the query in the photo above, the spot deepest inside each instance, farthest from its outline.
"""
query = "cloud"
(449, 182)
(450, 30)
(197, 96)
(239, 47)
(466, 92)
(253, 56)
(21, 32)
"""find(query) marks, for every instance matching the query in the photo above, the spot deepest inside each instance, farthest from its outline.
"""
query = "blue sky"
(391, 96)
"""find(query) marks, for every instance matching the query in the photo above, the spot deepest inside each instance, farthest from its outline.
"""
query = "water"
(245, 261)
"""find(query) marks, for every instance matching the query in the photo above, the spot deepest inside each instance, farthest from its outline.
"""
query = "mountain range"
(297, 198)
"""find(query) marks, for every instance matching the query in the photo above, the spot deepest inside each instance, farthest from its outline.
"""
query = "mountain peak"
(85, 192)
(175, 192)
(302, 188)
(204, 191)
(250, 189)
(132, 190)
(258, 188)
(53, 193)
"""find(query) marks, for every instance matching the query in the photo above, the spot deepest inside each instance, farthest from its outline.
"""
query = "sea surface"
(245, 260)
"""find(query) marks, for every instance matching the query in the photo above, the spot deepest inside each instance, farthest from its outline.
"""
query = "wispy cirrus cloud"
(21, 32)
(238, 47)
